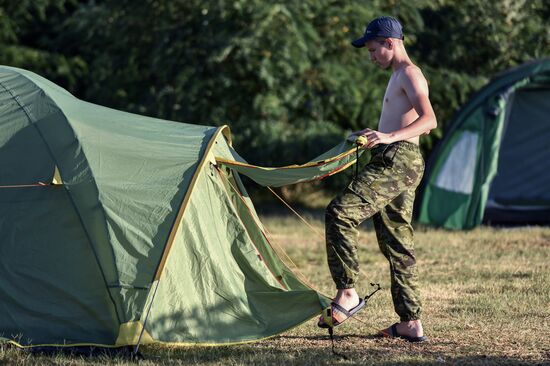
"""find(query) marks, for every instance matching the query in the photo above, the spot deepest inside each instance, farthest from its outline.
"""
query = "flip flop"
(348, 313)
(393, 334)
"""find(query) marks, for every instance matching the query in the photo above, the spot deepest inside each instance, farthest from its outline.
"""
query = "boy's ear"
(389, 42)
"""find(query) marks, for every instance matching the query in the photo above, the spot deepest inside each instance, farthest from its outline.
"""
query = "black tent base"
(126, 352)
(507, 217)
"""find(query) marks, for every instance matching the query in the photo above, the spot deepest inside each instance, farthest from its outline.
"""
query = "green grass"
(486, 296)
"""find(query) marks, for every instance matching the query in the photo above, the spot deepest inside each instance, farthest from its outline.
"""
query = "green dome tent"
(118, 229)
(494, 161)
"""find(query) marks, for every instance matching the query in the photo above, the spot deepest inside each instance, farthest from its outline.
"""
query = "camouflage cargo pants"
(385, 191)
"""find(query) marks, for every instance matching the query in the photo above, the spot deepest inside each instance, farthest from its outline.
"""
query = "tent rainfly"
(494, 163)
(118, 229)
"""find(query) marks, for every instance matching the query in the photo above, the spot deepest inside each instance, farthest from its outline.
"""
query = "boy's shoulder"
(411, 75)
(411, 71)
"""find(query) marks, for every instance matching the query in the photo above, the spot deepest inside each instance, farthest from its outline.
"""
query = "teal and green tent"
(493, 164)
(118, 229)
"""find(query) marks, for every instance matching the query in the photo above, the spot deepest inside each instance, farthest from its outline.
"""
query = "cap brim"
(361, 42)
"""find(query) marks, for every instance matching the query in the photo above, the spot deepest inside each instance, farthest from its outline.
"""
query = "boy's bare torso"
(397, 110)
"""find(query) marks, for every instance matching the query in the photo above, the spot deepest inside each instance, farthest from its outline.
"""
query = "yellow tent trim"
(226, 131)
(128, 334)
(205, 158)
(18, 345)
(56, 177)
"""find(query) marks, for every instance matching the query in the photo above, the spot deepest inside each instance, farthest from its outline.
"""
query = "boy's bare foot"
(410, 330)
(346, 298)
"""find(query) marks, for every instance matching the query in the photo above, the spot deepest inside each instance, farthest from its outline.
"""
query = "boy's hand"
(376, 137)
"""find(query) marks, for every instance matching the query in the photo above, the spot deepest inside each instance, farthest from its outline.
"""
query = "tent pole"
(136, 349)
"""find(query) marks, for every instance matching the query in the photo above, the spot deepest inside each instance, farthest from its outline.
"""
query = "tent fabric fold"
(331, 162)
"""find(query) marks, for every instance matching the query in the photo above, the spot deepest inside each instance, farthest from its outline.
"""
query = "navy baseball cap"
(386, 27)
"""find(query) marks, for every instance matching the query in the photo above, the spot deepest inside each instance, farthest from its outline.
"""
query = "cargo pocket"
(388, 155)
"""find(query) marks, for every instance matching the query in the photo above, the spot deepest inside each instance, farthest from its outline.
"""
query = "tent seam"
(16, 99)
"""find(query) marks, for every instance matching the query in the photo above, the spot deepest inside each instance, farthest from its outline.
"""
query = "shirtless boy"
(385, 189)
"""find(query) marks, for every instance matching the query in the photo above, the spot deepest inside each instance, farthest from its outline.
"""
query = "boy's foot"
(409, 330)
(347, 299)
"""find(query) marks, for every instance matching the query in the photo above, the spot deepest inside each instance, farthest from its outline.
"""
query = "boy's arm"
(415, 87)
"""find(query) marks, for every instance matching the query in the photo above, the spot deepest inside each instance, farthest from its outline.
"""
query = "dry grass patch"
(486, 295)
(486, 302)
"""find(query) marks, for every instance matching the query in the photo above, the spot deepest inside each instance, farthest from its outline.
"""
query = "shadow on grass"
(325, 337)
(274, 354)
(285, 350)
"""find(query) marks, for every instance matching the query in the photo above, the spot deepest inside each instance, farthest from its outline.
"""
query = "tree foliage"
(26, 31)
(282, 74)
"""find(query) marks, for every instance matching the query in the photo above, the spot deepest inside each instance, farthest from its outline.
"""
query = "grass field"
(486, 302)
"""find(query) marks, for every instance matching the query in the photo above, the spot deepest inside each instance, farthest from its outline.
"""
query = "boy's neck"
(400, 59)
